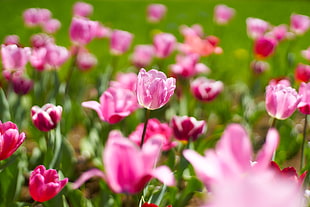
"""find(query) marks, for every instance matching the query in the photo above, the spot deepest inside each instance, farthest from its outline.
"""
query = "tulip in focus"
(304, 92)
(302, 73)
(154, 89)
(82, 9)
(223, 14)
(115, 104)
(47, 117)
(300, 24)
(142, 55)
(156, 12)
(129, 168)
(281, 101)
(256, 27)
(120, 42)
(10, 139)
(82, 30)
(45, 184)
(164, 44)
(206, 89)
(264, 47)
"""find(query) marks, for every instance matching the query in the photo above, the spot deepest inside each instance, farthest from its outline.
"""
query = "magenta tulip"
(223, 14)
(120, 42)
(14, 57)
(154, 89)
(125, 80)
(45, 184)
(205, 89)
(304, 92)
(264, 47)
(83, 30)
(302, 72)
(142, 55)
(82, 9)
(156, 12)
(86, 60)
(21, 85)
(51, 26)
(194, 30)
(259, 66)
(36, 16)
(11, 40)
(299, 23)
(129, 168)
(256, 27)
(10, 139)
(279, 33)
(164, 44)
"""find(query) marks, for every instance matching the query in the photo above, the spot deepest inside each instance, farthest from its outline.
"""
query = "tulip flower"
(280, 80)
(21, 85)
(259, 66)
(47, 117)
(155, 12)
(115, 104)
(51, 26)
(142, 55)
(302, 73)
(41, 40)
(299, 23)
(36, 16)
(279, 33)
(120, 42)
(206, 89)
(82, 9)
(187, 128)
(306, 53)
(127, 167)
(14, 57)
(11, 40)
(223, 14)
(45, 184)
(86, 60)
(82, 30)
(125, 80)
(154, 89)
(281, 101)
(164, 44)
(195, 29)
(264, 47)
(10, 139)
(304, 92)
(256, 27)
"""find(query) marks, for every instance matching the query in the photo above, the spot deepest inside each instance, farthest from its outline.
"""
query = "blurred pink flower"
(256, 27)
(279, 33)
(202, 47)
(11, 40)
(41, 40)
(51, 26)
(264, 47)
(82, 9)
(127, 167)
(154, 129)
(223, 14)
(21, 85)
(259, 66)
(164, 44)
(302, 72)
(47, 117)
(10, 139)
(142, 55)
(206, 89)
(85, 60)
(36, 16)
(120, 42)
(103, 31)
(280, 80)
(281, 101)
(299, 23)
(306, 53)
(115, 104)
(45, 184)
(195, 29)
(156, 12)
(154, 89)
(187, 128)
(125, 80)
(304, 92)
(82, 30)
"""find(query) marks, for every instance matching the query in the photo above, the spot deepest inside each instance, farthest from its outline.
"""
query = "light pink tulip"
(223, 14)
(259, 66)
(279, 33)
(264, 47)
(142, 55)
(125, 80)
(299, 23)
(156, 12)
(83, 30)
(11, 40)
(47, 117)
(154, 89)
(115, 104)
(195, 29)
(14, 57)
(304, 92)
(120, 42)
(10, 139)
(51, 26)
(127, 167)
(154, 129)
(85, 60)
(256, 27)
(306, 53)
(164, 44)
(281, 101)
(36, 16)
(302, 72)
(206, 89)
(82, 9)
(187, 128)
(45, 184)
(41, 40)
(103, 31)
(281, 80)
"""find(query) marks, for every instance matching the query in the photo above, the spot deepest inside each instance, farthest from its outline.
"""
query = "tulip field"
(135, 103)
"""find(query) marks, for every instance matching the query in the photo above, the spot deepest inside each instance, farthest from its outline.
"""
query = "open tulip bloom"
(127, 167)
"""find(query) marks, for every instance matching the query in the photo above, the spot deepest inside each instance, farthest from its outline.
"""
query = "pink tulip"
(142, 55)
(156, 12)
(82, 9)
(115, 104)
(125, 80)
(164, 44)
(259, 66)
(154, 89)
(86, 60)
(120, 42)
(232, 156)
(281, 80)
(195, 29)
(10, 139)
(264, 47)
(51, 26)
(36, 16)
(154, 129)
(279, 33)
(82, 30)
(14, 57)
(47, 117)
(223, 14)
(45, 184)
(256, 27)
(21, 85)
(304, 92)
(127, 167)
(188, 66)
(41, 40)
(103, 31)
(11, 40)
(187, 128)
(306, 53)
(302, 72)
(299, 23)
(206, 89)
(281, 101)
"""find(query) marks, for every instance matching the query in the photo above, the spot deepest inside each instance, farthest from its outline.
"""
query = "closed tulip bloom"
(11, 40)
(259, 66)
(306, 53)
(304, 92)
(10, 139)
(82, 9)
(155, 12)
(21, 85)
(142, 55)
(264, 47)
(14, 57)
(299, 23)
(82, 30)
(120, 42)
(187, 128)
(223, 14)
(115, 104)
(154, 89)
(302, 72)
(279, 33)
(128, 168)
(36, 16)
(41, 40)
(281, 101)
(195, 29)
(206, 89)
(125, 80)
(47, 117)
(86, 60)
(45, 184)
(164, 44)
(256, 27)
(51, 26)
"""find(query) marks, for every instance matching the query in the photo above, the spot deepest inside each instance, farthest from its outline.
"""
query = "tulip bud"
(223, 13)
(302, 73)
(205, 89)
(164, 44)
(47, 117)
(155, 12)
(120, 42)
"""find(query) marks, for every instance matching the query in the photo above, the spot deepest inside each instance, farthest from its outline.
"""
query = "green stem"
(147, 116)
(71, 69)
(303, 143)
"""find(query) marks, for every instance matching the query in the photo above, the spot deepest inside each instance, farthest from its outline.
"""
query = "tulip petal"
(86, 176)
(164, 174)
